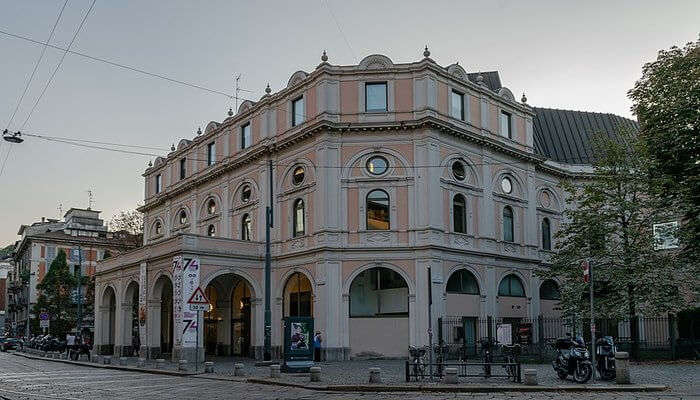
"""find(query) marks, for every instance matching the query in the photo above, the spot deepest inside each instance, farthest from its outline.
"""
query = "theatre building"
(376, 173)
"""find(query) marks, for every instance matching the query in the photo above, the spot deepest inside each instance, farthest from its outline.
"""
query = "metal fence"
(656, 337)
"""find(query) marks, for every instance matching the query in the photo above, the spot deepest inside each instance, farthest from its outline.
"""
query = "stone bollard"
(450, 375)
(238, 369)
(209, 367)
(530, 377)
(160, 363)
(375, 375)
(83, 357)
(274, 371)
(315, 374)
(622, 367)
(122, 361)
(97, 359)
(141, 363)
(182, 365)
(106, 360)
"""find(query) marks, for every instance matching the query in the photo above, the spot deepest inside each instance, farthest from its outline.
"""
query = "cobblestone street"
(22, 378)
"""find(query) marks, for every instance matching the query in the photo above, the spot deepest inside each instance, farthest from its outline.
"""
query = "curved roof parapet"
(159, 161)
(457, 71)
(506, 93)
(296, 78)
(183, 143)
(245, 106)
(211, 126)
(375, 61)
(491, 79)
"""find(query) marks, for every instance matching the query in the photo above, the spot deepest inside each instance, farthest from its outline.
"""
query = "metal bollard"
(106, 360)
(622, 367)
(160, 363)
(315, 374)
(141, 363)
(530, 377)
(122, 361)
(375, 375)
(274, 371)
(450, 375)
(238, 369)
(182, 365)
(209, 367)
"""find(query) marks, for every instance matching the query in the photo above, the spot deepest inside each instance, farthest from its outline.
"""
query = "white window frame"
(211, 154)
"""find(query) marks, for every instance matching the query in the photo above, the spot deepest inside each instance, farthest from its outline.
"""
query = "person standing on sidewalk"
(317, 346)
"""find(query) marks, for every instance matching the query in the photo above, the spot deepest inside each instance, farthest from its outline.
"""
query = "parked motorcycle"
(605, 357)
(572, 359)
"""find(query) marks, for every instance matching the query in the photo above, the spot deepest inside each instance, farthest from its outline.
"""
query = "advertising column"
(185, 282)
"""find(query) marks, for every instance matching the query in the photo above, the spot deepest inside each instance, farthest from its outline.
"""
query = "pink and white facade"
(379, 172)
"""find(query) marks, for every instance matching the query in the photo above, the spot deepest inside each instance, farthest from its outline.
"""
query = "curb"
(108, 366)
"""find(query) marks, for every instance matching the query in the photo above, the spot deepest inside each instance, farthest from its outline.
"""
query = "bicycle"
(511, 357)
(417, 361)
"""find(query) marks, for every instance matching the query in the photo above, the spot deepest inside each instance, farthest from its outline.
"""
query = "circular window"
(377, 165)
(245, 194)
(506, 185)
(458, 171)
(183, 217)
(298, 176)
(211, 206)
(211, 231)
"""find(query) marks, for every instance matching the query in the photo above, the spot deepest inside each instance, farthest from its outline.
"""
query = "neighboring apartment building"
(379, 172)
(5, 321)
(40, 243)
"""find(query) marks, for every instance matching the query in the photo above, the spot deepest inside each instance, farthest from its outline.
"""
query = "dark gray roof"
(491, 79)
(565, 135)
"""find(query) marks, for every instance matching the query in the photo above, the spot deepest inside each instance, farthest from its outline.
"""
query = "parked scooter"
(605, 357)
(572, 359)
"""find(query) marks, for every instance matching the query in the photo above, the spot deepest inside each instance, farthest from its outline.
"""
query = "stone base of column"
(118, 349)
(188, 353)
(143, 352)
(259, 352)
(335, 353)
(153, 352)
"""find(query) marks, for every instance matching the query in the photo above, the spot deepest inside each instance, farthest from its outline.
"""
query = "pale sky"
(563, 54)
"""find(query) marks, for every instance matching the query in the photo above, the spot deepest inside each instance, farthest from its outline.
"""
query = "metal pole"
(80, 300)
(590, 275)
(267, 356)
(196, 351)
(430, 322)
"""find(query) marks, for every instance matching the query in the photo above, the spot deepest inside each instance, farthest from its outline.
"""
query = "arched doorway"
(463, 301)
(378, 323)
(108, 310)
(549, 298)
(163, 322)
(228, 328)
(512, 308)
(298, 296)
(132, 340)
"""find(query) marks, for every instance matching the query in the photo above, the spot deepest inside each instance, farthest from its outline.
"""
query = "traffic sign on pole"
(198, 301)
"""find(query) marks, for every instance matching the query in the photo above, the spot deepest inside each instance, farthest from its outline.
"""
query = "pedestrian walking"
(135, 344)
(317, 346)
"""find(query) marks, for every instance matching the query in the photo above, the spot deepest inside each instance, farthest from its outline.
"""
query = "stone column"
(122, 341)
(491, 292)
(328, 309)
(153, 329)
(224, 328)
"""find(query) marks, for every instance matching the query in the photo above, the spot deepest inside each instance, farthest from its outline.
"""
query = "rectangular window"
(159, 183)
(457, 105)
(245, 136)
(505, 125)
(183, 168)
(298, 111)
(211, 154)
(375, 96)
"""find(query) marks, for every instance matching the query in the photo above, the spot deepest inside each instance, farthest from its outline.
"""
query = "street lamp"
(12, 137)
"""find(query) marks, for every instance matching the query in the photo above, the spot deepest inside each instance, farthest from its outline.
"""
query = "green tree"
(609, 220)
(666, 101)
(55, 297)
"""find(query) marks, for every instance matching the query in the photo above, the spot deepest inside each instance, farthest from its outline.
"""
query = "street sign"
(44, 316)
(44, 323)
(198, 301)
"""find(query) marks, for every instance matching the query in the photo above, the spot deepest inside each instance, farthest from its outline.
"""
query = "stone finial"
(172, 147)
(199, 130)
(426, 52)
(150, 164)
(324, 56)
(523, 99)
(267, 89)
(230, 112)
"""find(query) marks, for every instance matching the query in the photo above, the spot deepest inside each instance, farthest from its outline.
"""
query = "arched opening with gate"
(378, 315)
(298, 296)
(228, 326)
(132, 341)
(163, 321)
(108, 309)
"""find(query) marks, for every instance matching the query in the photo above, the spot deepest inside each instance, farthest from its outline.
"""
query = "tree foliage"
(130, 221)
(6, 251)
(55, 296)
(666, 101)
(609, 220)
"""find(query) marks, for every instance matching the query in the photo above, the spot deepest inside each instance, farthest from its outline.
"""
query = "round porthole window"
(245, 194)
(298, 175)
(377, 165)
(506, 185)
(183, 217)
(458, 170)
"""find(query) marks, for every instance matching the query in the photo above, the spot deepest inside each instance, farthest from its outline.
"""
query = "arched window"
(211, 230)
(378, 210)
(507, 224)
(546, 235)
(158, 228)
(297, 296)
(298, 223)
(463, 282)
(378, 292)
(549, 290)
(245, 227)
(298, 176)
(211, 206)
(245, 194)
(511, 286)
(459, 213)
